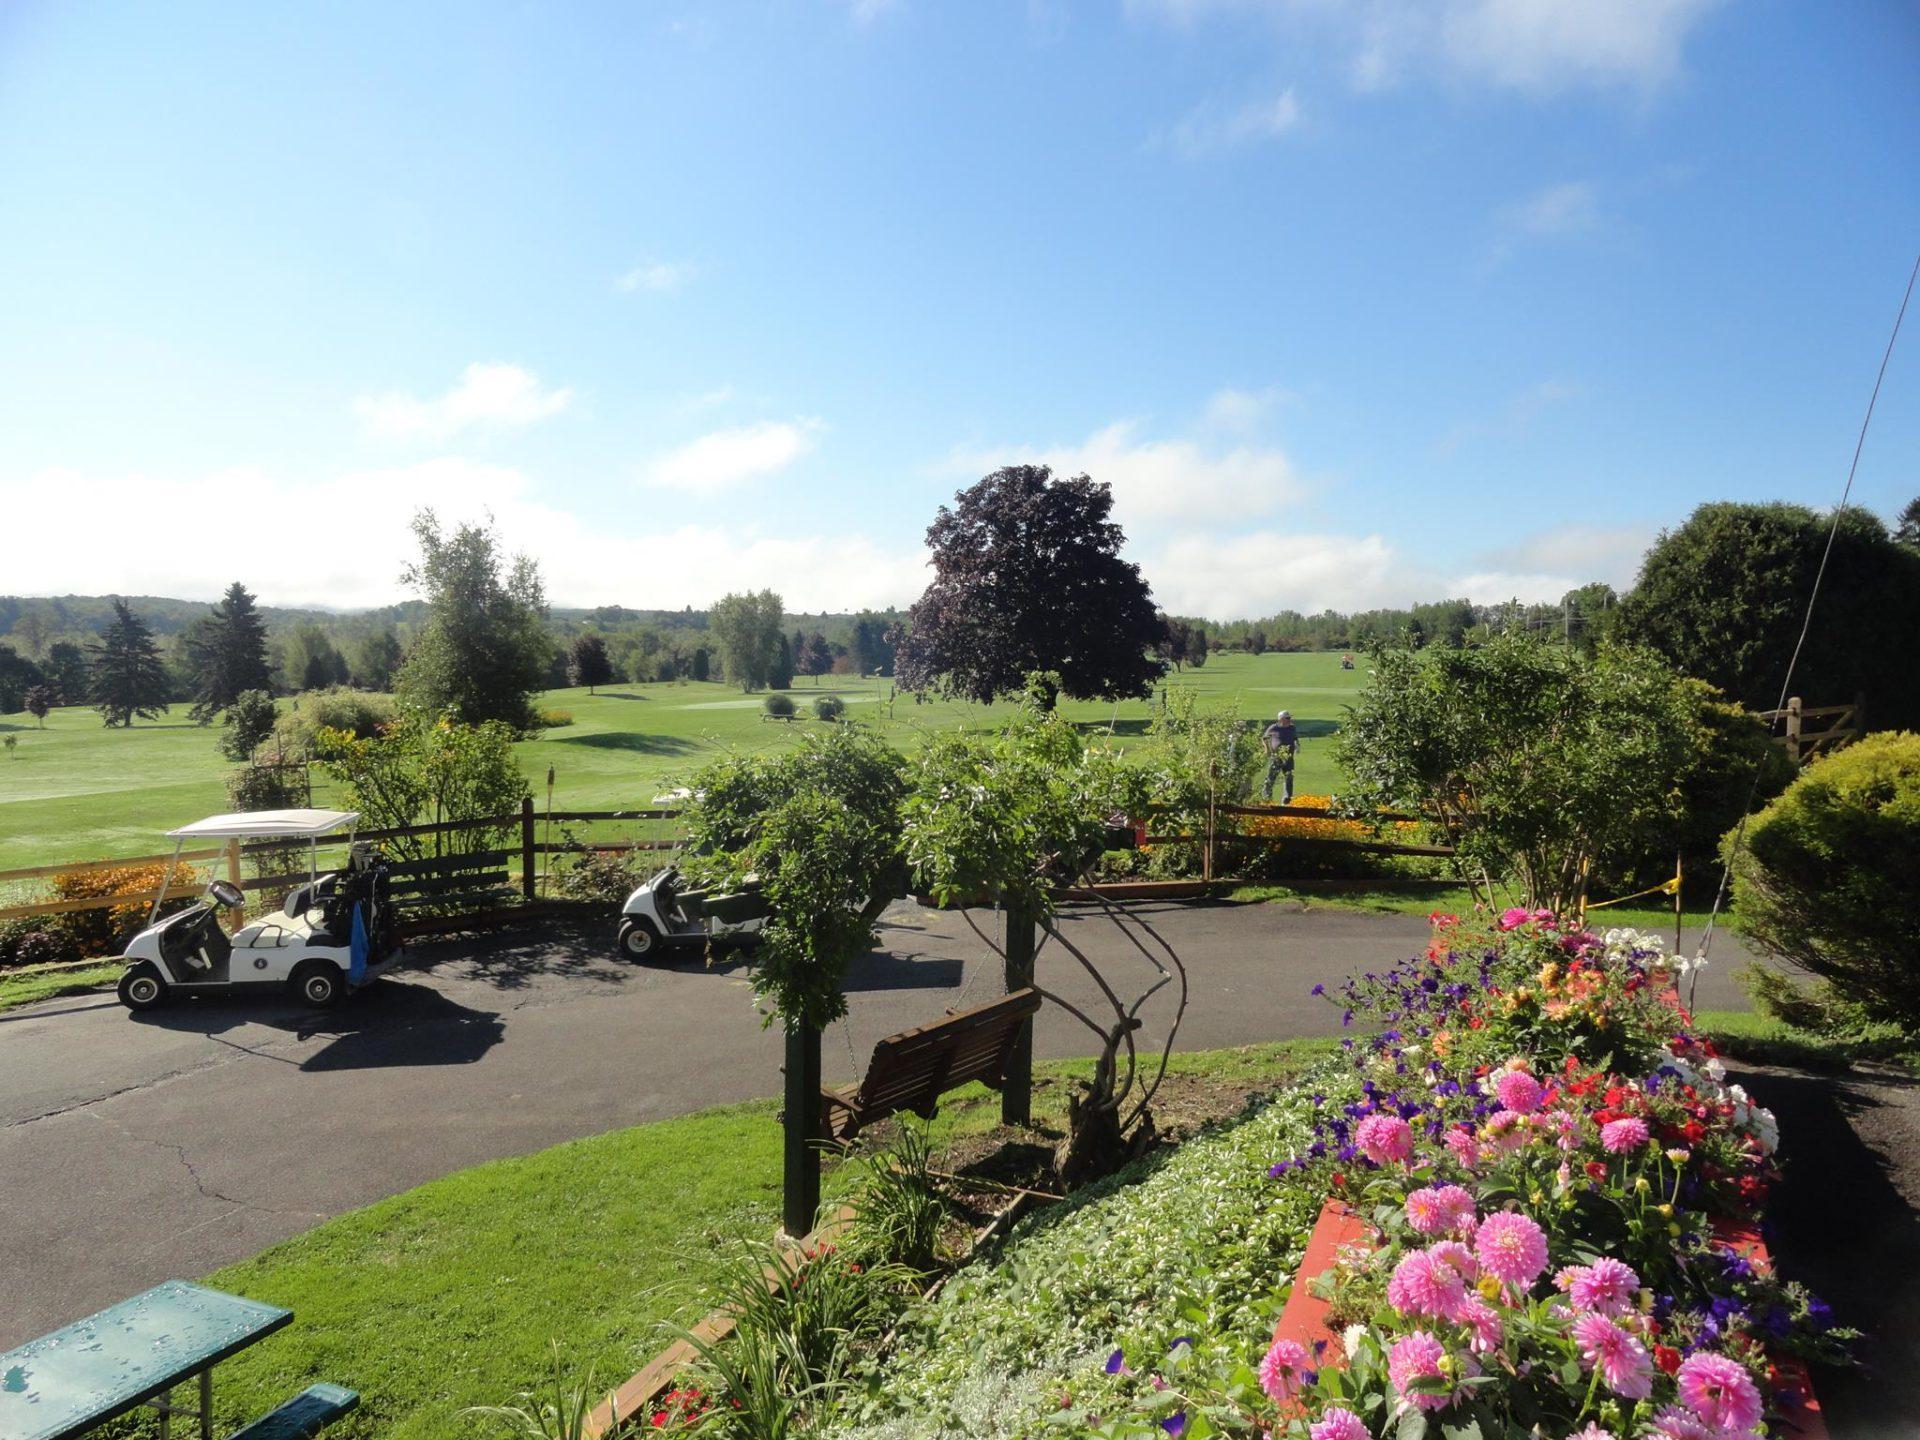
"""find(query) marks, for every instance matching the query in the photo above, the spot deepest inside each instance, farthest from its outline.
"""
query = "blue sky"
(1353, 301)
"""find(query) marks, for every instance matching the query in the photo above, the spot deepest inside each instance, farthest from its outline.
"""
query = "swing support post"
(1016, 1086)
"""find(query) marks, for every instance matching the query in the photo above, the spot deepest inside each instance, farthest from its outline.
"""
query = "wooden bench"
(454, 882)
(912, 1070)
(302, 1417)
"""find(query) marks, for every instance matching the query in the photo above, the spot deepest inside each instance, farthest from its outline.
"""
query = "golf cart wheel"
(141, 988)
(639, 941)
(318, 984)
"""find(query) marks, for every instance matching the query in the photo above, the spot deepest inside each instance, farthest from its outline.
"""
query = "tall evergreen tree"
(229, 654)
(66, 671)
(129, 678)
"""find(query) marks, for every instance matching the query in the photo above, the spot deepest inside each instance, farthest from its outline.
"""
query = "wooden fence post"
(800, 1190)
(1016, 1086)
(1793, 729)
(526, 848)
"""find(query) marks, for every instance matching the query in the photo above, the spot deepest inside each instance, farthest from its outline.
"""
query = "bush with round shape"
(35, 941)
(829, 707)
(778, 707)
(1829, 871)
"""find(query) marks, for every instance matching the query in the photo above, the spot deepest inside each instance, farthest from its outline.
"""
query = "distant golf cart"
(666, 913)
(333, 935)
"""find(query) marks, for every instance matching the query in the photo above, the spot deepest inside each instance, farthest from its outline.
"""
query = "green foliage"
(1537, 763)
(124, 665)
(375, 660)
(828, 707)
(552, 718)
(484, 649)
(1013, 814)
(356, 713)
(1729, 745)
(1723, 598)
(228, 654)
(1828, 874)
(37, 702)
(1200, 755)
(587, 661)
(778, 707)
(1040, 691)
(819, 827)
(423, 770)
(605, 877)
(267, 784)
(37, 940)
(898, 1208)
(556, 1411)
(747, 628)
(251, 716)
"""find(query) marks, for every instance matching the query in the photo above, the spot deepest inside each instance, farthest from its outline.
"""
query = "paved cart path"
(140, 1149)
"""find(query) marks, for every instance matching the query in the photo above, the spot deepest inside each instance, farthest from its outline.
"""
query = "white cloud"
(1209, 127)
(1514, 418)
(1535, 47)
(147, 535)
(655, 275)
(1241, 410)
(1589, 552)
(722, 460)
(865, 12)
(1565, 209)
(488, 395)
(1159, 482)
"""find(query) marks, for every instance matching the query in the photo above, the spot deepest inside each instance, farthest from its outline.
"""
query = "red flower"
(1595, 1170)
(1667, 1358)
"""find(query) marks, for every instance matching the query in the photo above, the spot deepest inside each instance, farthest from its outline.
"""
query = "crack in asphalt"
(206, 1191)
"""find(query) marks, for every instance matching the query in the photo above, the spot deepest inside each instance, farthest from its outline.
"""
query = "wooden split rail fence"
(1791, 732)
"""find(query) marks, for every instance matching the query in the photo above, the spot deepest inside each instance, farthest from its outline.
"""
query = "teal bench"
(305, 1415)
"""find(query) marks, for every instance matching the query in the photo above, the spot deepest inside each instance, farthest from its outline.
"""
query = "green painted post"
(1016, 1089)
(800, 1198)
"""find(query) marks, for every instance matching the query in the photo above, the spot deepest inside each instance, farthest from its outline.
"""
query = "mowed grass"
(79, 791)
(450, 1295)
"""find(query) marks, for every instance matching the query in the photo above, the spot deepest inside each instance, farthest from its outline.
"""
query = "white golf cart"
(333, 935)
(665, 913)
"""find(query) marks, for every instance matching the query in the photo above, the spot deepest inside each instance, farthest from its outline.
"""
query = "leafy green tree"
(66, 671)
(250, 720)
(1534, 762)
(782, 676)
(310, 660)
(129, 678)
(31, 631)
(228, 654)
(37, 702)
(425, 770)
(747, 629)
(1587, 615)
(1028, 576)
(1196, 645)
(819, 826)
(873, 644)
(1723, 598)
(701, 665)
(375, 659)
(816, 657)
(587, 662)
(484, 649)
(17, 676)
(1827, 876)
(1907, 531)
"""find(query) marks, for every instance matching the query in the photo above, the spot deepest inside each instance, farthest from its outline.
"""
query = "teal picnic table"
(131, 1354)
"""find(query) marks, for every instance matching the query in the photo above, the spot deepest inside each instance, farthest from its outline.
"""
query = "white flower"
(1351, 1337)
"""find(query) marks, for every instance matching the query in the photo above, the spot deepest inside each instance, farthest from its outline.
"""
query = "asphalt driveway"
(137, 1149)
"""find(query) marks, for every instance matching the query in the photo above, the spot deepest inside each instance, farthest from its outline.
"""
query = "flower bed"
(1536, 1155)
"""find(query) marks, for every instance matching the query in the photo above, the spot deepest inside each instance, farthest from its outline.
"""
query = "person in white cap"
(1282, 742)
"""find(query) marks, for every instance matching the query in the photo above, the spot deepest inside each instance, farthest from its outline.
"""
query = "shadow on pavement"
(890, 970)
(514, 960)
(1840, 1224)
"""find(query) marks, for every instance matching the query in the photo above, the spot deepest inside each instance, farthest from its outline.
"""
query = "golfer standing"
(1282, 742)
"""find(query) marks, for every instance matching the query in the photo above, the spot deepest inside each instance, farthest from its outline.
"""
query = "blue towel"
(357, 964)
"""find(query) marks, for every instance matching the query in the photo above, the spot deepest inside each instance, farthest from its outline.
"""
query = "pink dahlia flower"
(1622, 1360)
(1465, 1149)
(1620, 1136)
(1416, 1356)
(1440, 1210)
(1511, 1248)
(1287, 1369)
(1424, 1284)
(1487, 1328)
(1519, 1092)
(1458, 1256)
(1674, 1423)
(1338, 1424)
(1384, 1138)
(1593, 1431)
(1606, 1286)
(1719, 1391)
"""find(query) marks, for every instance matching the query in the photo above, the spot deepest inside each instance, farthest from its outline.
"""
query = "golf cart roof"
(266, 824)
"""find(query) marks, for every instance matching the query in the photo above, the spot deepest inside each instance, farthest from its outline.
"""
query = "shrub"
(602, 876)
(898, 1209)
(101, 931)
(250, 719)
(779, 707)
(552, 719)
(829, 707)
(355, 712)
(422, 769)
(35, 940)
(1828, 874)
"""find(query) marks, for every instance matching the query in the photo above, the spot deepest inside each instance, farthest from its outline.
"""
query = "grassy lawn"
(449, 1295)
(24, 989)
(1388, 898)
(77, 791)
